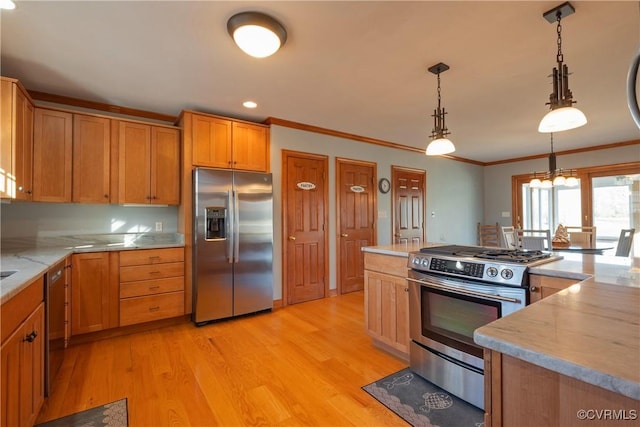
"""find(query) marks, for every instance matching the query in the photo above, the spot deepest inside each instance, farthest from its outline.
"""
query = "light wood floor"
(300, 365)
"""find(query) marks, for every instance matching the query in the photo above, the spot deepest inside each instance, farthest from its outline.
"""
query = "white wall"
(454, 190)
(24, 219)
(497, 179)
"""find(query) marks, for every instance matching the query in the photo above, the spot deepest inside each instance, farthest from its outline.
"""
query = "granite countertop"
(590, 331)
(30, 257)
(398, 249)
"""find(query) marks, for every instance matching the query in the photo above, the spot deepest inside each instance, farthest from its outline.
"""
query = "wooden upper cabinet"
(16, 152)
(52, 156)
(250, 147)
(211, 142)
(149, 164)
(91, 159)
(229, 144)
(165, 166)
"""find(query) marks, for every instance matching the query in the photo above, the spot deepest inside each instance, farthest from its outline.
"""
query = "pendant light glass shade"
(535, 183)
(563, 118)
(257, 34)
(440, 146)
(571, 181)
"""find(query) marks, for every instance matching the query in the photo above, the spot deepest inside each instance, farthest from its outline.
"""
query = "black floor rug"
(421, 403)
(112, 414)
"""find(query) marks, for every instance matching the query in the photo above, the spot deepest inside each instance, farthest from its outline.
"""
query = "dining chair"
(625, 241)
(537, 240)
(584, 236)
(489, 235)
(509, 237)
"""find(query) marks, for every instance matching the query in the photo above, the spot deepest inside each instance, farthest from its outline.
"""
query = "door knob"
(398, 235)
(344, 235)
(292, 238)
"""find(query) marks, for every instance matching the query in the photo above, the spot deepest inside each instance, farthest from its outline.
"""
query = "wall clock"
(384, 185)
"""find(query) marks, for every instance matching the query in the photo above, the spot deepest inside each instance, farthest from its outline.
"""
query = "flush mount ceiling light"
(257, 34)
(249, 104)
(440, 144)
(563, 116)
(554, 177)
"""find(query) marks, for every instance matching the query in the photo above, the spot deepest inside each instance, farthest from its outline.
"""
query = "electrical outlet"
(159, 226)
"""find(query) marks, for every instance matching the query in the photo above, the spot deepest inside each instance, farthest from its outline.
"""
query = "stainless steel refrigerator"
(233, 243)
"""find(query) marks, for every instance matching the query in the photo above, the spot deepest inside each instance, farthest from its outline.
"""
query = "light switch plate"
(159, 226)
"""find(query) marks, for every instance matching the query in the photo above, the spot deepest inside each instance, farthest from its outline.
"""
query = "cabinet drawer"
(151, 287)
(151, 272)
(151, 256)
(155, 307)
(394, 265)
(16, 310)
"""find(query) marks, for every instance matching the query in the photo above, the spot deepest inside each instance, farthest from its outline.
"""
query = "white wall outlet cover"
(158, 226)
(506, 214)
(382, 214)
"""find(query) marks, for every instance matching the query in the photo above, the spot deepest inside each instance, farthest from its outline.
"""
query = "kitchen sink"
(6, 273)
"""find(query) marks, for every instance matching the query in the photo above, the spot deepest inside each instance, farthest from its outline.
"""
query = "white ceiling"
(356, 67)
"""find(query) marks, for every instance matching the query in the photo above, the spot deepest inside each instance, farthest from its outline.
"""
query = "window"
(607, 197)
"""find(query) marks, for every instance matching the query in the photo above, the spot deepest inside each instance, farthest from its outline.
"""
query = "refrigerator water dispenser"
(215, 228)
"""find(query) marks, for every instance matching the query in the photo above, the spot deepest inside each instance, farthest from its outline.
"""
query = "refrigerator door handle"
(236, 227)
(229, 228)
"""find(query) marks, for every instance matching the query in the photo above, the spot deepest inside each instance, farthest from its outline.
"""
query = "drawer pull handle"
(154, 272)
(154, 257)
(31, 337)
(151, 288)
(154, 308)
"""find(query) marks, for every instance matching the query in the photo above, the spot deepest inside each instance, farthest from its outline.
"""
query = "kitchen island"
(576, 349)
(573, 357)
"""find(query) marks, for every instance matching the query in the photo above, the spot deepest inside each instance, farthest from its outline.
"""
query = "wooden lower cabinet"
(22, 357)
(543, 286)
(387, 302)
(94, 292)
(518, 393)
(151, 285)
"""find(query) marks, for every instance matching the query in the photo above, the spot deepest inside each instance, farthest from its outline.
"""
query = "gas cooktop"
(494, 254)
(493, 265)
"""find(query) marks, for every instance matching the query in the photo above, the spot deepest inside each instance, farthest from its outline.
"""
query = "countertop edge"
(382, 251)
(609, 382)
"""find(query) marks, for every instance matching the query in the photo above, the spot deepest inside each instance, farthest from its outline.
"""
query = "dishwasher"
(56, 321)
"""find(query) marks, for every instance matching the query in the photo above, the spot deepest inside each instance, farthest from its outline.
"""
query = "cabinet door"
(211, 142)
(250, 147)
(10, 380)
(165, 166)
(32, 367)
(90, 293)
(7, 179)
(91, 159)
(543, 286)
(134, 163)
(23, 143)
(52, 152)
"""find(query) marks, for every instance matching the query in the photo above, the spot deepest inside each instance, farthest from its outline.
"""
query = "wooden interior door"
(408, 194)
(356, 203)
(304, 198)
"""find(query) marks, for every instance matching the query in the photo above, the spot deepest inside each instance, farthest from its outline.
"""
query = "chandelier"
(440, 143)
(554, 176)
(563, 116)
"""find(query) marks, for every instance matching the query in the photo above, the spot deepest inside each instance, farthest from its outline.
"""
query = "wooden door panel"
(134, 163)
(52, 152)
(165, 166)
(305, 235)
(356, 192)
(211, 142)
(91, 159)
(408, 210)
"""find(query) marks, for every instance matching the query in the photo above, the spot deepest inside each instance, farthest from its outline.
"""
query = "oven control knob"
(506, 274)
(492, 272)
(425, 262)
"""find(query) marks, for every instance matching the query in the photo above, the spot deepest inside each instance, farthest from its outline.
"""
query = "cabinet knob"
(31, 337)
(28, 191)
(406, 289)
(106, 196)
(534, 289)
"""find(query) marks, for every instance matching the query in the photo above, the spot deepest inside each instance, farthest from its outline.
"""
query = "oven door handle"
(464, 291)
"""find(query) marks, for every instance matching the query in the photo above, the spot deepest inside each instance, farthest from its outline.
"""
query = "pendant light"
(257, 34)
(563, 116)
(553, 177)
(440, 144)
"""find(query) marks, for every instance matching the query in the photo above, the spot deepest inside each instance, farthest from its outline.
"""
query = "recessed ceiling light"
(249, 104)
(7, 4)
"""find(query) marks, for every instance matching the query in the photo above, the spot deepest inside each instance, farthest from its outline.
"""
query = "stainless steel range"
(454, 290)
